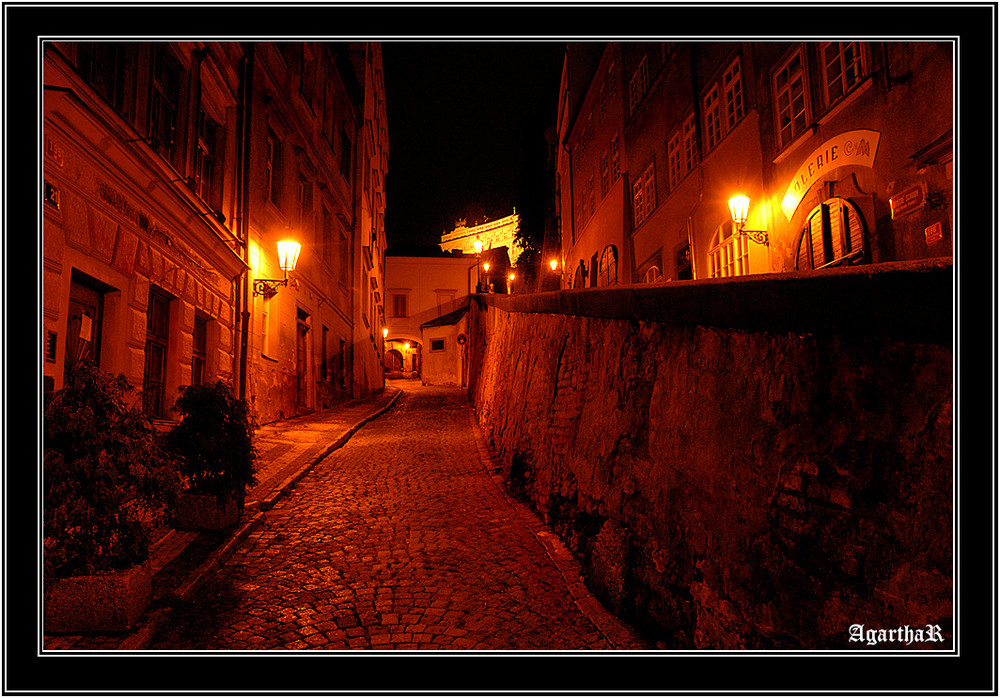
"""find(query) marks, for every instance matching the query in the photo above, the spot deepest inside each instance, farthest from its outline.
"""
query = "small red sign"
(907, 202)
(934, 233)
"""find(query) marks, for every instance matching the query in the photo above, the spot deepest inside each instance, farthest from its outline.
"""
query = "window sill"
(787, 150)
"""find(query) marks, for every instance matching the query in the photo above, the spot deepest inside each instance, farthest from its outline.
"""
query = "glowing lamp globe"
(288, 255)
(739, 205)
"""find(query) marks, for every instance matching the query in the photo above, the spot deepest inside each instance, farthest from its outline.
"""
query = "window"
(305, 195)
(437, 345)
(307, 84)
(682, 151)
(644, 195)
(842, 68)
(163, 101)
(638, 85)
(399, 305)
(713, 121)
(265, 325)
(205, 158)
(609, 266)
(273, 168)
(154, 375)
(690, 144)
(833, 234)
(102, 65)
(329, 118)
(729, 255)
(345, 154)
(616, 171)
(605, 174)
(653, 275)
(791, 105)
(199, 350)
(732, 90)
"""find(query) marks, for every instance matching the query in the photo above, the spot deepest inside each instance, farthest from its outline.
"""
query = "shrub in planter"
(107, 482)
(216, 455)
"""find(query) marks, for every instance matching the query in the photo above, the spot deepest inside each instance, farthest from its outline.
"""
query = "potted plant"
(216, 454)
(107, 481)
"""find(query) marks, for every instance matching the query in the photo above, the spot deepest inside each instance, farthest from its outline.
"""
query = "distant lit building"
(171, 171)
(493, 234)
(822, 137)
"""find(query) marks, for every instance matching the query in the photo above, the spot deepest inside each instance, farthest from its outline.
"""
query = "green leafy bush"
(214, 440)
(107, 478)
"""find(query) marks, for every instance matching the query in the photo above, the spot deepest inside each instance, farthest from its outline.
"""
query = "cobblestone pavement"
(400, 540)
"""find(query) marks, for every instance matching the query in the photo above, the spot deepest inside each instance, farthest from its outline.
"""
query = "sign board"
(934, 233)
(848, 148)
(908, 201)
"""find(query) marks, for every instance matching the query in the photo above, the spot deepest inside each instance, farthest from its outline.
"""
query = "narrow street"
(400, 540)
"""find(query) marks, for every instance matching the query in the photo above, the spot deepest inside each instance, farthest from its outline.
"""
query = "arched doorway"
(393, 361)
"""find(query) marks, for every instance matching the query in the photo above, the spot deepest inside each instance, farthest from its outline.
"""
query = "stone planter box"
(197, 511)
(99, 603)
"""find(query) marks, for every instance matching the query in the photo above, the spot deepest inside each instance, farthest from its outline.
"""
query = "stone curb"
(268, 502)
(143, 636)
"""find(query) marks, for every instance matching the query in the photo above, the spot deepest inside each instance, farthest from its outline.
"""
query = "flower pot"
(105, 602)
(199, 511)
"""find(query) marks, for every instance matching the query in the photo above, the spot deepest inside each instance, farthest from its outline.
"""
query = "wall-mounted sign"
(462, 339)
(907, 201)
(848, 148)
(934, 233)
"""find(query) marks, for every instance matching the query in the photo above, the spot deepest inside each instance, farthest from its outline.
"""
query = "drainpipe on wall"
(243, 196)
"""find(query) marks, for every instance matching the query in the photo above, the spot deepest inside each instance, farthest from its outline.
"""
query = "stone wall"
(757, 463)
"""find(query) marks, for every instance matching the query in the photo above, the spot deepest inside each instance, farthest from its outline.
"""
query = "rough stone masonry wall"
(763, 482)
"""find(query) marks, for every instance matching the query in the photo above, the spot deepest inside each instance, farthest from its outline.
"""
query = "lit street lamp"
(288, 257)
(739, 206)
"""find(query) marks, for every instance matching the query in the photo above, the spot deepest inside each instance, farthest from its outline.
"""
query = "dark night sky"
(467, 127)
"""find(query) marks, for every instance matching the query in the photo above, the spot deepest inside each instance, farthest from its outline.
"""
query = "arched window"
(728, 255)
(580, 277)
(833, 234)
(653, 274)
(609, 266)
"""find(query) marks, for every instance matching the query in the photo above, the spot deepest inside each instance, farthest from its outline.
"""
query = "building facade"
(420, 290)
(171, 170)
(656, 138)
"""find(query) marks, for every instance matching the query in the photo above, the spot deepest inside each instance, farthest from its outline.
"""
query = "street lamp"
(739, 205)
(478, 244)
(510, 283)
(288, 257)
(553, 264)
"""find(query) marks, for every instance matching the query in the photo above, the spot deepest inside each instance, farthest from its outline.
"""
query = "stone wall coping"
(910, 301)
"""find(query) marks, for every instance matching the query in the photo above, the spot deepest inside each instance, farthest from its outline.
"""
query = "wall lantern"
(288, 257)
(739, 205)
(553, 264)
(385, 332)
(486, 266)
(511, 277)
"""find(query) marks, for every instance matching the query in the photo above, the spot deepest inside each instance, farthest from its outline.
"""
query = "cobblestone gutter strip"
(267, 502)
(612, 628)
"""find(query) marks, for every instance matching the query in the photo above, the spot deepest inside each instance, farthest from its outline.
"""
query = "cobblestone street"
(400, 540)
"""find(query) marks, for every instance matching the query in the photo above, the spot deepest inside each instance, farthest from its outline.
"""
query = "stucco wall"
(755, 479)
